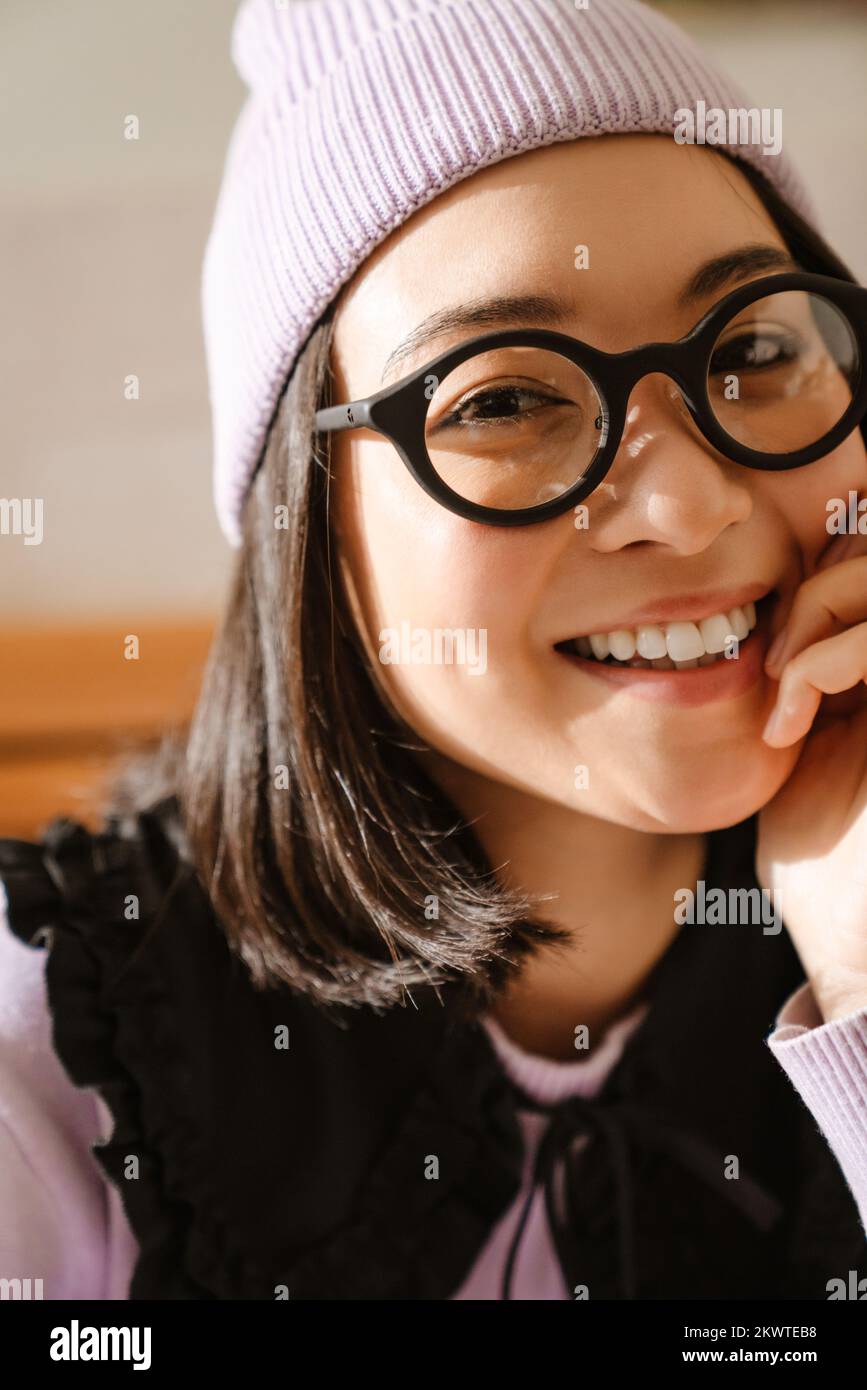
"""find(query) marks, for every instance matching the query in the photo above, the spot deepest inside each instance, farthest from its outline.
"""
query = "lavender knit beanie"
(361, 111)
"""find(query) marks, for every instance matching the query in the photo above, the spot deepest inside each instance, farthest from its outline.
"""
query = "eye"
(756, 349)
(506, 401)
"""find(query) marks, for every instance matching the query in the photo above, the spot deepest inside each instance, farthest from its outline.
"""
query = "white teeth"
(681, 644)
(740, 626)
(684, 641)
(650, 641)
(621, 644)
(715, 632)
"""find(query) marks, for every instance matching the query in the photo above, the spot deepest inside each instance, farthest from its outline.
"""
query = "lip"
(684, 608)
(726, 679)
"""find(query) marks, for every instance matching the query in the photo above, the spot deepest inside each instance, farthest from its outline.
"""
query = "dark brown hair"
(332, 860)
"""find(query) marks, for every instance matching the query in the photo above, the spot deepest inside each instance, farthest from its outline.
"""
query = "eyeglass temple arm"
(343, 417)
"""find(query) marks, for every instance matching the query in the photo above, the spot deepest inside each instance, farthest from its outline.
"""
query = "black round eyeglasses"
(515, 427)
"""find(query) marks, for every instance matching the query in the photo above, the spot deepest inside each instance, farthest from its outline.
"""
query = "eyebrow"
(551, 311)
(736, 265)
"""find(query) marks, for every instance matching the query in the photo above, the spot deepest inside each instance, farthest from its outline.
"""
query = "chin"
(726, 794)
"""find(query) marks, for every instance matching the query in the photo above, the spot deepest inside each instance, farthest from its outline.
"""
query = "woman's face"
(676, 533)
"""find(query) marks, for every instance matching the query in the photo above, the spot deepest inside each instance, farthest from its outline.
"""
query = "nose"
(667, 484)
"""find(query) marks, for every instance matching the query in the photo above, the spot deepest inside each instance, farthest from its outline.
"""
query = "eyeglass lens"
(781, 372)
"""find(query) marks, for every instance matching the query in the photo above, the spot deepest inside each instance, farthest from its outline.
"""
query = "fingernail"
(772, 724)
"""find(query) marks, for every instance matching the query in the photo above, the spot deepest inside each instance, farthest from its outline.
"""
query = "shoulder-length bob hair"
(333, 862)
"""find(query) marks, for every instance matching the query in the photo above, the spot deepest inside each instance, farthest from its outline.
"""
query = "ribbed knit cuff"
(827, 1065)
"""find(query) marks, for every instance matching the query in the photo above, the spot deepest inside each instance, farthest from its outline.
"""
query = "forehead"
(648, 211)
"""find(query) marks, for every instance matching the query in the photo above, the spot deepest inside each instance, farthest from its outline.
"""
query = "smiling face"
(676, 545)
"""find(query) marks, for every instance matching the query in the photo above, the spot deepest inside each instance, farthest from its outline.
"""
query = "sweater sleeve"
(827, 1065)
(59, 1222)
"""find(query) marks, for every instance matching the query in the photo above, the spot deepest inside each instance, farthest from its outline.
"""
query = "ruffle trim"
(113, 1031)
(68, 894)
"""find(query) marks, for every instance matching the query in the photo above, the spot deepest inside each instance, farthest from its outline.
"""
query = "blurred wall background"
(102, 244)
(102, 240)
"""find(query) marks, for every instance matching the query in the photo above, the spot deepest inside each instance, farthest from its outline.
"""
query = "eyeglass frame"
(399, 411)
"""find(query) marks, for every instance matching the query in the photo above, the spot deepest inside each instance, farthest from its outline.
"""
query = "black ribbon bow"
(621, 1127)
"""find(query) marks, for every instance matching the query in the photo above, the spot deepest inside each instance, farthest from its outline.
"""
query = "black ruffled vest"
(310, 1166)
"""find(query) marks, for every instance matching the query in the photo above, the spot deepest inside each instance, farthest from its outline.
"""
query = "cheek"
(802, 497)
(443, 600)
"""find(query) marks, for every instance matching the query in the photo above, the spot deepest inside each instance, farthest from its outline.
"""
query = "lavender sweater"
(62, 1222)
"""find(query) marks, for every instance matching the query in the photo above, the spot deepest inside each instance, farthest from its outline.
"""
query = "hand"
(812, 846)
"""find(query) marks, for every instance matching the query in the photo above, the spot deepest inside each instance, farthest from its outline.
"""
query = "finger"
(826, 668)
(829, 601)
(842, 548)
(843, 544)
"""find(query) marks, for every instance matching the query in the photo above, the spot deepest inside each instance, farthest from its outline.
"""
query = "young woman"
(436, 964)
